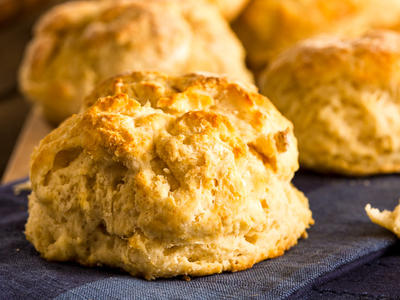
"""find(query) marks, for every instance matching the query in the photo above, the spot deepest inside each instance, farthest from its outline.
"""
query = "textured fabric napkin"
(342, 235)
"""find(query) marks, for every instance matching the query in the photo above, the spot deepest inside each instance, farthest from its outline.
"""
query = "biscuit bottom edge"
(73, 239)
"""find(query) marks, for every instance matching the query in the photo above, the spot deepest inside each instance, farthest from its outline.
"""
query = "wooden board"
(35, 128)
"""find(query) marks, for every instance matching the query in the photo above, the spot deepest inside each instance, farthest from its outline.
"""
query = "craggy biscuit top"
(210, 102)
(343, 97)
(372, 59)
(169, 175)
(78, 44)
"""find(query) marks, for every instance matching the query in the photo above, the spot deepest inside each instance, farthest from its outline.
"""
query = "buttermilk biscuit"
(267, 27)
(343, 97)
(78, 44)
(387, 219)
(167, 176)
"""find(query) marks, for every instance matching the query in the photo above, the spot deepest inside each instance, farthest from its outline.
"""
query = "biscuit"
(342, 96)
(78, 44)
(168, 176)
(387, 219)
(267, 27)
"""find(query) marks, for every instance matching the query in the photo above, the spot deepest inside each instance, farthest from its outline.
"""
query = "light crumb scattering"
(22, 187)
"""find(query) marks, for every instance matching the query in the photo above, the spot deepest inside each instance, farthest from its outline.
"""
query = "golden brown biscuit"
(267, 27)
(343, 97)
(78, 44)
(167, 176)
(387, 219)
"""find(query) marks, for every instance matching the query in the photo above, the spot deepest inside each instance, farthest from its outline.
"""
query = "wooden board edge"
(35, 128)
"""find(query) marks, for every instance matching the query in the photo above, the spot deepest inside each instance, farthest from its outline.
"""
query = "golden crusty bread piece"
(167, 176)
(343, 97)
(267, 27)
(78, 44)
(387, 219)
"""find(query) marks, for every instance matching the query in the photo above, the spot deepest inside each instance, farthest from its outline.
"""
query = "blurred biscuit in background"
(343, 97)
(267, 27)
(78, 44)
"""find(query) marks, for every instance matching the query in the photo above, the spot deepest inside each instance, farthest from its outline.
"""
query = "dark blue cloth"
(376, 279)
(341, 238)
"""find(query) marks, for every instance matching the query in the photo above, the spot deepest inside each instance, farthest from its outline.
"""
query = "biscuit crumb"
(387, 219)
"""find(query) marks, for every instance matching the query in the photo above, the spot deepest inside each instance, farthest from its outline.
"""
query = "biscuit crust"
(165, 176)
(78, 44)
(343, 97)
